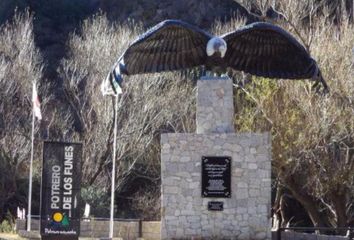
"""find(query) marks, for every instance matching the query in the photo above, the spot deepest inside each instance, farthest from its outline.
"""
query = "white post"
(30, 178)
(113, 167)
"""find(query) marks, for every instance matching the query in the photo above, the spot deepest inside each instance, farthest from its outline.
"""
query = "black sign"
(60, 195)
(215, 206)
(216, 177)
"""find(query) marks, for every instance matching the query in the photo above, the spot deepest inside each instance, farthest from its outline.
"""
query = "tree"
(20, 65)
(150, 105)
(312, 134)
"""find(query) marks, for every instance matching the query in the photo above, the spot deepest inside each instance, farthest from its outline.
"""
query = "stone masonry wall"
(97, 229)
(185, 213)
(290, 235)
(215, 106)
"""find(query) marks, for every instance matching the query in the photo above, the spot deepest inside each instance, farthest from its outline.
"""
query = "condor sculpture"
(260, 49)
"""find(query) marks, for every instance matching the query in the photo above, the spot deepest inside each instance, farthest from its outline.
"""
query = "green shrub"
(6, 227)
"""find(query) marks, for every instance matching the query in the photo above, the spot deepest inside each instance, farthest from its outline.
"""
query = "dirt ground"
(10, 236)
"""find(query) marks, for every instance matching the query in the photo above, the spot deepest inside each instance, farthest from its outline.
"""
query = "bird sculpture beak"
(222, 50)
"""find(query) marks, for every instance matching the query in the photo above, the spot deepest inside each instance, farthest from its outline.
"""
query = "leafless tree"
(312, 134)
(20, 65)
(149, 105)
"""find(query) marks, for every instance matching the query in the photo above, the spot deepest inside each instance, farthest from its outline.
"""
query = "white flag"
(110, 86)
(19, 213)
(87, 210)
(36, 104)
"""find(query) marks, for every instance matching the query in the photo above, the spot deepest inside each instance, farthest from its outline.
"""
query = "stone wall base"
(98, 229)
(246, 214)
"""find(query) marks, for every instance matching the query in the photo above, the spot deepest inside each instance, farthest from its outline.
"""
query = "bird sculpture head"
(216, 45)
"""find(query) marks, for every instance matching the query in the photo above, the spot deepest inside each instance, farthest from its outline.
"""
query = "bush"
(6, 227)
(97, 199)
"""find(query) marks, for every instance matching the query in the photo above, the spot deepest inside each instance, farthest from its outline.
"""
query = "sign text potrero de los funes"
(60, 196)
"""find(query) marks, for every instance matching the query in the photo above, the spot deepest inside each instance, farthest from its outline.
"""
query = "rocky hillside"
(199, 12)
(55, 20)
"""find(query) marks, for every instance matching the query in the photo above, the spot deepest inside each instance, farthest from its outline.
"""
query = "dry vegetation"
(147, 108)
(20, 64)
(313, 147)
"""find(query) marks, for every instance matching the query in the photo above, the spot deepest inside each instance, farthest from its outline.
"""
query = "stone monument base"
(245, 215)
(215, 184)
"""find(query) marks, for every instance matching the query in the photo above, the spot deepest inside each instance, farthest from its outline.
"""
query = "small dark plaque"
(216, 206)
(216, 177)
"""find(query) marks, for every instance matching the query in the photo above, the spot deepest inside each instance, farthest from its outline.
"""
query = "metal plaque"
(216, 177)
(215, 206)
(60, 194)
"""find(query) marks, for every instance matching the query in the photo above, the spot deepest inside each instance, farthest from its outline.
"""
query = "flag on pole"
(111, 84)
(36, 104)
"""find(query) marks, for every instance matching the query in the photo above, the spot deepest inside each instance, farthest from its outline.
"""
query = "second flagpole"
(29, 211)
(111, 225)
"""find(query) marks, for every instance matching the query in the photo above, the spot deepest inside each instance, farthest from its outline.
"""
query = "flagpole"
(113, 168)
(30, 176)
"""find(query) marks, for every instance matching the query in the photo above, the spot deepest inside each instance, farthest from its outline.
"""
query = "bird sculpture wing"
(263, 49)
(170, 45)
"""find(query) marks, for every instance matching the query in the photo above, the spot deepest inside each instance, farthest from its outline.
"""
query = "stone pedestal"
(215, 106)
(184, 211)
